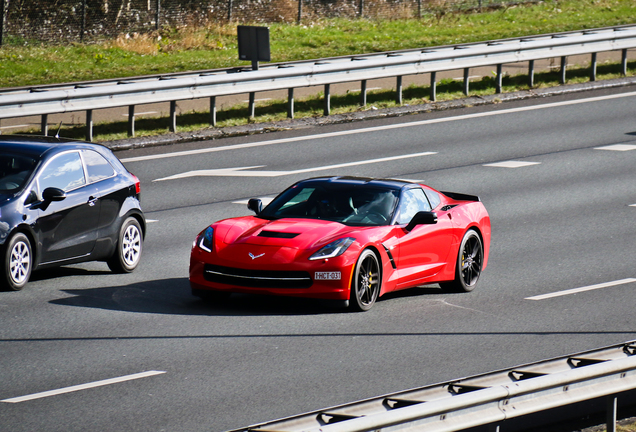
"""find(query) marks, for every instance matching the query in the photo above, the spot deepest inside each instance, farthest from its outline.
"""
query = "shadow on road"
(172, 296)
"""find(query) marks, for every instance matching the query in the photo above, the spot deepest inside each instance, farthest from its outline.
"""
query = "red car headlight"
(333, 249)
(206, 239)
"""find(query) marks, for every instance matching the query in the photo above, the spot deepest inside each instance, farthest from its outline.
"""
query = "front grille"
(257, 278)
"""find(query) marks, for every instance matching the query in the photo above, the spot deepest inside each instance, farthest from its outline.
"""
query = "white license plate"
(327, 276)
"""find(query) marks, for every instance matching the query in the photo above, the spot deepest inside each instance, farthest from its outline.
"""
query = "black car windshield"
(348, 204)
(15, 170)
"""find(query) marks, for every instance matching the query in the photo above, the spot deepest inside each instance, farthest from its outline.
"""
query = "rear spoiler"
(461, 197)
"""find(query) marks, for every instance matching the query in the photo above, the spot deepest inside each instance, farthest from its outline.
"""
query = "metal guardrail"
(488, 399)
(89, 96)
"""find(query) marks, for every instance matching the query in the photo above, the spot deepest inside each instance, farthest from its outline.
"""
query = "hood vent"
(278, 234)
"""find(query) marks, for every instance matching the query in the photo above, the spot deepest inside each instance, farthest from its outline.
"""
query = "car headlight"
(333, 249)
(206, 239)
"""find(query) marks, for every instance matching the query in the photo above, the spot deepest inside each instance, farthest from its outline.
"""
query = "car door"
(67, 228)
(423, 251)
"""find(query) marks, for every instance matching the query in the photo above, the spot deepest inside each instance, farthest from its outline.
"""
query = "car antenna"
(57, 135)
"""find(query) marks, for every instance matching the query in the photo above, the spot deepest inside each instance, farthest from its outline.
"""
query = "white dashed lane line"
(82, 386)
(617, 147)
(582, 289)
(511, 164)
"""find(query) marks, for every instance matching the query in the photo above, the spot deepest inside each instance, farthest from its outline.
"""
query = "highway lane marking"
(82, 386)
(142, 113)
(375, 128)
(14, 126)
(151, 220)
(582, 289)
(617, 147)
(511, 164)
(241, 171)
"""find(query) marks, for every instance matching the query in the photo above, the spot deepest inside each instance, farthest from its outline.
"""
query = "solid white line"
(141, 113)
(82, 386)
(376, 128)
(14, 126)
(582, 289)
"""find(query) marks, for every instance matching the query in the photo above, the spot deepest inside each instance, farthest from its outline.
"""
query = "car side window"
(412, 201)
(64, 172)
(433, 198)
(97, 167)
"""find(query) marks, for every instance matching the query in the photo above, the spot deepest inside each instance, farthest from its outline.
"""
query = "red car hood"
(291, 233)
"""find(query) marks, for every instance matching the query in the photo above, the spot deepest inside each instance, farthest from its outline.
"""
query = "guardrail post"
(327, 109)
(623, 62)
(229, 10)
(131, 120)
(466, 85)
(494, 427)
(173, 116)
(213, 111)
(398, 90)
(300, 10)
(363, 93)
(158, 15)
(564, 62)
(531, 73)
(44, 124)
(593, 66)
(499, 79)
(83, 28)
(612, 405)
(89, 125)
(290, 102)
(251, 107)
(433, 95)
(2, 11)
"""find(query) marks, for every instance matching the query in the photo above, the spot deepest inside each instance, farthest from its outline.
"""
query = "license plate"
(327, 276)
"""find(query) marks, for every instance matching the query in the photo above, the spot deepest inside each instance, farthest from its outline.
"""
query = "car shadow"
(172, 296)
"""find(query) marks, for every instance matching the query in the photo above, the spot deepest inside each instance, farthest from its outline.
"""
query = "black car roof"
(361, 181)
(37, 145)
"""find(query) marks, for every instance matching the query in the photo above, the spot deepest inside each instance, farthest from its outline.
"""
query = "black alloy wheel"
(366, 282)
(18, 263)
(470, 261)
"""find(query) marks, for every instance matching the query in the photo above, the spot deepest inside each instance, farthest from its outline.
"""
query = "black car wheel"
(129, 246)
(18, 261)
(469, 264)
(365, 285)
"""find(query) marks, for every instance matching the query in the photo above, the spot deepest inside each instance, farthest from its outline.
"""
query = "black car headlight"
(333, 249)
(206, 239)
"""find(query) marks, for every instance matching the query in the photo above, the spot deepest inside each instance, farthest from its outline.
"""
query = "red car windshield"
(347, 204)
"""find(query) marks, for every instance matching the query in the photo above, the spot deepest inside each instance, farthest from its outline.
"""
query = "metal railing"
(89, 96)
(488, 399)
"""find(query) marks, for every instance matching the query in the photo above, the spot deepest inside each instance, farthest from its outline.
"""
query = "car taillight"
(137, 183)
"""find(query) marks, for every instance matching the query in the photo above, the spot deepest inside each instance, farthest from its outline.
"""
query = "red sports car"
(345, 238)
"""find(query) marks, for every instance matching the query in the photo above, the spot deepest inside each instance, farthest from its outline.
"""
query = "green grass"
(28, 63)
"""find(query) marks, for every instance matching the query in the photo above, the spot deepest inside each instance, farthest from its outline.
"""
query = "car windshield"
(15, 170)
(348, 204)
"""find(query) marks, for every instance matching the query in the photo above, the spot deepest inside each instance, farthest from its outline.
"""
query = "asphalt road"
(564, 219)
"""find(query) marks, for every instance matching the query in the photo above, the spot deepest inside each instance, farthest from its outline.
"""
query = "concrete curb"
(258, 128)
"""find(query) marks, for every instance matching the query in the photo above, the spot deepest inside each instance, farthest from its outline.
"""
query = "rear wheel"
(18, 261)
(469, 264)
(129, 246)
(365, 285)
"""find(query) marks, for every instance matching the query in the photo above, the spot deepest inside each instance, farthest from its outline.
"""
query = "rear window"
(15, 170)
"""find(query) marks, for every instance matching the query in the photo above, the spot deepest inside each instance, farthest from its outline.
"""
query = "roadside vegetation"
(28, 63)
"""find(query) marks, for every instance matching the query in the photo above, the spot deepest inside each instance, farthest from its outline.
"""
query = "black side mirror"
(255, 205)
(53, 194)
(422, 218)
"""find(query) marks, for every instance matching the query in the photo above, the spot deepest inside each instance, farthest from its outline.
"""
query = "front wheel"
(365, 285)
(470, 261)
(18, 261)
(129, 245)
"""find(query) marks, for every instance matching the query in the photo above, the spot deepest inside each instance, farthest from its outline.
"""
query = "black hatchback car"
(64, 202)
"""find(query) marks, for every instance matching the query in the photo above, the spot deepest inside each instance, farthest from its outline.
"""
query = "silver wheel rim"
(131, 245)
(20, 262)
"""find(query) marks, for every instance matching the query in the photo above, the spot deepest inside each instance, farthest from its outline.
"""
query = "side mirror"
(53, 194)
(255, 205)
(422, 218)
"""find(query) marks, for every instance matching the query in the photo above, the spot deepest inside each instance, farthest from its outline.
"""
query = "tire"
(366, 282)
(470, 260)
(129, 246)
(18, 263)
